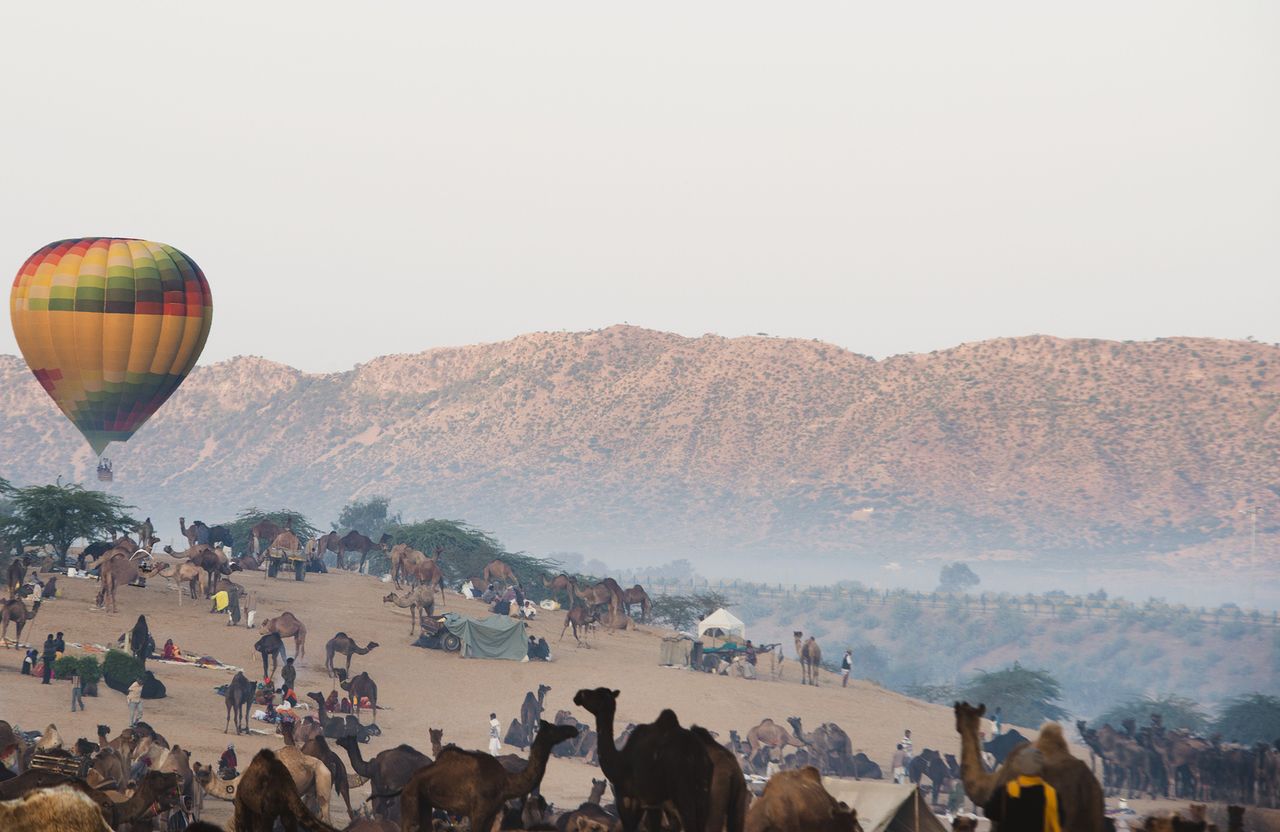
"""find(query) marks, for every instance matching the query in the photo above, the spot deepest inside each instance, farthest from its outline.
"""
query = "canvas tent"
(885, 807)
(495, 637)
(722, 624)
(678, 651)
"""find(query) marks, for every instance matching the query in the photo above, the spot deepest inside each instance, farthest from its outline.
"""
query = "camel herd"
(1157, 761)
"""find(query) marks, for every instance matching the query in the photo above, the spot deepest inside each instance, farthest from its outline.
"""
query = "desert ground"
(421, 689)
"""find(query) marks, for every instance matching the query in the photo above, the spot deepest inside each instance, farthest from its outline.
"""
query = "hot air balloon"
(110, 327)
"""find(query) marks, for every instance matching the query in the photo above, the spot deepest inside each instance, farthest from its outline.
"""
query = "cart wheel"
(273, 567)
(300, 571)
(451, 643)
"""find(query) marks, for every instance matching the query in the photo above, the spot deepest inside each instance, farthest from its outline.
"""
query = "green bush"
(121, 670)
(65, 667)
(90, 670)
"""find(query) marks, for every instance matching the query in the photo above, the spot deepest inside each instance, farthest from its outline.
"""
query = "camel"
(420, 600)
(771, 734)
(239, 697)
(437, 740)
(264, 532)
(353, 541)
(16, 611)
(561, 583)
(810, 656)
(361, 687)
(1124, 759)
(403, 556)
(597, 595)
(270, 645)
(387, 773)
(661, 763)
(328, 543)
(211, 561)
(531, 708)
(1079, 794)
(1177, 749)
(185, 572)
(116, 569)
(796, 801)
(310, 774)
(474, 784)
(286, 624)
(636, 595)
(16, 576)
(579, 618)
(830, 743)
(195, 534)
(496, 570)
(156, 790)
(60, 807)
(344, 644)
(265, 793)
(728, 797)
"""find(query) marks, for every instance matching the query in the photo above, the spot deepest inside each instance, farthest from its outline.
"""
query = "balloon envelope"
(110, 327)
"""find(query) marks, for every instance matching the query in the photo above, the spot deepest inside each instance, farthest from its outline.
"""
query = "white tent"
(723, 624)
(885, 807)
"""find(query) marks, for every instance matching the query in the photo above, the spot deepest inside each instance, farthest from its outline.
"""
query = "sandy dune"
(426, 688)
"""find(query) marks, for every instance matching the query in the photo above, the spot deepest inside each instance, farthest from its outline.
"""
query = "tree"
(370, 517)
(1026, 697)
(465, 551)
(957, 577)
(1176, 711)
(245, 521)
(1250, 719)
(59, 515)
(683, 612)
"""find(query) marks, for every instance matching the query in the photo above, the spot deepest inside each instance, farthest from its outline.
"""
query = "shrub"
(121, 670)
(65, 667)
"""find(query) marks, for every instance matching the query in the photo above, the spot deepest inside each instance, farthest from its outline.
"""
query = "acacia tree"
(370, 517)
(250, 517)
(464, 551)
(59, 515)
(957, 577)
(1176, 711)
(1027, 697)
(1250, 719)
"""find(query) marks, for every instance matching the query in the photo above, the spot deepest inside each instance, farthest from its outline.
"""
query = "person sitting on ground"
(1027, 803)
(489, 595)
(171, 651)
(227, 763)
(29, 661)
(344, 707)
(468, 589)
(331, 704)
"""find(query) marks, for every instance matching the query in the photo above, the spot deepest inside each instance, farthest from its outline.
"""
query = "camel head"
(437, 735)
(391, 596)
(597, 701)
(384, 541)
(794, 721)
(543, 690)
(969, 718)
(550, 735)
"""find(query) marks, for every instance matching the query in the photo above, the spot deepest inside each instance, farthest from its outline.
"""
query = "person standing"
(59, 645)
(846, 667)
(289, 673)
(907, 747)
(76, 687)
(899, 765)
(495, 735)
(48, 654)
(998, 719)
(134, 698)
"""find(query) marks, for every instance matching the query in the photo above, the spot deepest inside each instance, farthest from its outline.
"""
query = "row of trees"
(1030, 697)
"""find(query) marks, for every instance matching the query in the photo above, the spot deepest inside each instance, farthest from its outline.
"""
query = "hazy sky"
(364, 178)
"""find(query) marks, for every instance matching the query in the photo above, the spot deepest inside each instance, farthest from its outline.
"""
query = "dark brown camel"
(342, 643)
(661, 763)
(387, 773)
(474, 784)
(270, 645)
(728, 799)
(353, 541)
(361, 687)
(328, 543)
(597, 595)
(636, 596)
(265, 794)
(239, 697)
(579, 618)
(496, 570)
(562, 583)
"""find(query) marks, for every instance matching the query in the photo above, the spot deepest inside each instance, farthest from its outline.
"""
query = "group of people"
(54, 647)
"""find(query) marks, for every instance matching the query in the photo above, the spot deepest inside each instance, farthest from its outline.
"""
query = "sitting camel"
(662, 764)
(342, 643)
(1079, 794)
(265, 793)
(421, 601)
(58, 807)
(795, 801)
(286, 624)
(475, 784)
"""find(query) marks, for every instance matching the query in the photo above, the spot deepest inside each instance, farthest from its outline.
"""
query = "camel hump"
(340, 634)
(667, 719)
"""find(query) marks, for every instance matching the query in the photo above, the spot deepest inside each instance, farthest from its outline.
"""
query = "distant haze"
(359, 180)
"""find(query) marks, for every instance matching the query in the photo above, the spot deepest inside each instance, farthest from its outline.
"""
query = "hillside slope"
(628, 441)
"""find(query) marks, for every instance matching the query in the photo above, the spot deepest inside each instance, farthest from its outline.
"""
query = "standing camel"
(662, 763)
(286, 624)
(267, 792)
(342, 643)
(637, 596)
(270, 645)
(17, 575)
(387, 773)
(562, 583)
(597, 595)
(475, 784)
(17, 612)
(810, 655)
(496, 570)
(421, 601)
(353, 541)
(361, 687)
(579, 618)
(239, 697)
(1079, 794)
(264, 532)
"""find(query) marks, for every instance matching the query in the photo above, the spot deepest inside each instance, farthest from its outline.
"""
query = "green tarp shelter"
(495, 637)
